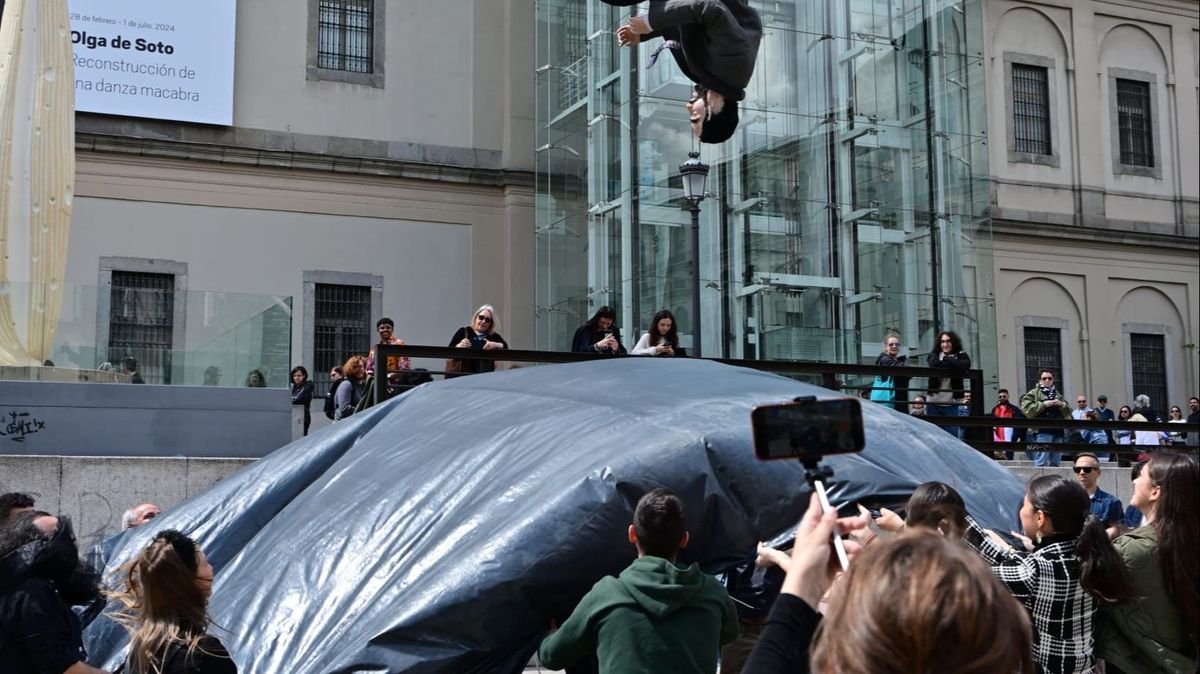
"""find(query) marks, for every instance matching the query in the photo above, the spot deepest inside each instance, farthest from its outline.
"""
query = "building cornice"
(1025, 229)
(300, 152)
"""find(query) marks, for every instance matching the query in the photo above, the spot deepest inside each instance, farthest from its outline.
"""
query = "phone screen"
(808, 428)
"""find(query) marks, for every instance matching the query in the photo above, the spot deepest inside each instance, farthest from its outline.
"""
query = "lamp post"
(695, 174)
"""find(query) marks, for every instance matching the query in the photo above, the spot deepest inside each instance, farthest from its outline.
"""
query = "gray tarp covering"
(439, 532)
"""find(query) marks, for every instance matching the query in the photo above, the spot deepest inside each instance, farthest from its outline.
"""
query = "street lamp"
(695, 174)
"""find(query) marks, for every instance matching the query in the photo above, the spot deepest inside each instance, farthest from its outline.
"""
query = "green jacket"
(655, 617)
(1032, 407)
(1147, 636)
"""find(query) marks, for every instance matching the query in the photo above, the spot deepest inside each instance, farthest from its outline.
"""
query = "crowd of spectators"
(930, 591)
(927, 589)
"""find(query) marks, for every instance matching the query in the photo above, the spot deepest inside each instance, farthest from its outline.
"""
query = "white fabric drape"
(37, 174)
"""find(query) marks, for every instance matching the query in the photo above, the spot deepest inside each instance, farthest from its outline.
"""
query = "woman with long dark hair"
(1159, 633)
(599, 335)
(662, 339)
(302, 393)
(165, 609)
(1072, 570)
(946, 393)
(933, 505)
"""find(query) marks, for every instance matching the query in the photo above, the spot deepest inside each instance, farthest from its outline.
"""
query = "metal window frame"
(1031, 115)
(1114, 124)
(1175, 382)
(310, 280)
(375, 78)
(1066, 365)
(1054, 158)
(179, 319)
(1161, 348)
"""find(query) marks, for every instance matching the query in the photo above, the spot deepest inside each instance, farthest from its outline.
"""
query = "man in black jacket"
(715, 44)
(40, 578)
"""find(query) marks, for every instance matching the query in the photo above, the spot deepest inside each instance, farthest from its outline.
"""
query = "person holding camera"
(599, 335)
(661, 339)
(1045, 402)
(952, 616)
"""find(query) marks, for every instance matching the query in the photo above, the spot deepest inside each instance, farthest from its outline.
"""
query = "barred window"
(141, 323)
(1134, 123)
(1043, 351)
(1031, 109)
(345, 30)
(342, 327)
(1149, 368)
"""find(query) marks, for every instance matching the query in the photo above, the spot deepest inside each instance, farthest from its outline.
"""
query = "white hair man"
(139, 515)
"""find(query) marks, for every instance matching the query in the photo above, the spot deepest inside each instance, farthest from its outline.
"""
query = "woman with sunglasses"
(897, 396)
(1159, 633)
(480, 335)
(1123, 437)
(165, 609)
(1072, 571)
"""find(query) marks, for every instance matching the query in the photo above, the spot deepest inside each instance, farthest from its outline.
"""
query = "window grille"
(1031, 109)
(141, 322)
(1134, 123)
(1043, 351)
(342, 325)
(345, 30)
(1149, 369)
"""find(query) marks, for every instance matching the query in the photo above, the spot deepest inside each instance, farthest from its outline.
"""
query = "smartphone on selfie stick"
(806, 430)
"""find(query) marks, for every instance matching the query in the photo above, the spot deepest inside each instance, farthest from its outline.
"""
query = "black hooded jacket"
(39, 633)
(718, 39)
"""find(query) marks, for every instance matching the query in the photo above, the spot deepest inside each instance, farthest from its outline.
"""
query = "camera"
(807, 429)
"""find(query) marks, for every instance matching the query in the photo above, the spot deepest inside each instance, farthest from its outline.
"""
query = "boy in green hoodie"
(656, 616)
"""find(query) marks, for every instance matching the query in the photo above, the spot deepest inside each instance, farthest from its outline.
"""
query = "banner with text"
(147, 58)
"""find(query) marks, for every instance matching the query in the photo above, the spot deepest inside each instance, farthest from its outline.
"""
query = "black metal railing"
(834, 376)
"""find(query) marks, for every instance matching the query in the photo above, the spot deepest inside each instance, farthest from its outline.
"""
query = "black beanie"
(720, 127)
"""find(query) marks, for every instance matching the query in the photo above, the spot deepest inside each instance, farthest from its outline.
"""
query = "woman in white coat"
(662, 338)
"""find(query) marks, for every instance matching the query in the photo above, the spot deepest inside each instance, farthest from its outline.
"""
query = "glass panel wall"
(200, 338)
(852, 201)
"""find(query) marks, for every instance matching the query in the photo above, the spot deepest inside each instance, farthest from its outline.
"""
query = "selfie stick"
(816, 474)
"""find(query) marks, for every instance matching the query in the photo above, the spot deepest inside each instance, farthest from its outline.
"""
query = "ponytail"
(1102, 571)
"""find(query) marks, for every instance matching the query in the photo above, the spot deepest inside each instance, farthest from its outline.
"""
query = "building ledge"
(302, 152)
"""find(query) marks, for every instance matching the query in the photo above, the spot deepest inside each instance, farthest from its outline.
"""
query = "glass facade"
(852, 201)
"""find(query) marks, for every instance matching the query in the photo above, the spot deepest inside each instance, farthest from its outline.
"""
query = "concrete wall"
(95, 491)
(51, 418)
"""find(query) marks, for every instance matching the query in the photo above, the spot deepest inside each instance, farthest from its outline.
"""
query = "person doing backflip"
(715, 43)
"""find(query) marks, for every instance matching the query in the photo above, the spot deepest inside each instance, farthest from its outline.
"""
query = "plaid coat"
(1046, 582)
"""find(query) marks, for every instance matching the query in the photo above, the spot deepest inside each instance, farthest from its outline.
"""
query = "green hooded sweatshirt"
(655, 617)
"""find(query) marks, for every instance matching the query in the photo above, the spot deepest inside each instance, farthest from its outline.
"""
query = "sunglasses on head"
(1086, 470)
